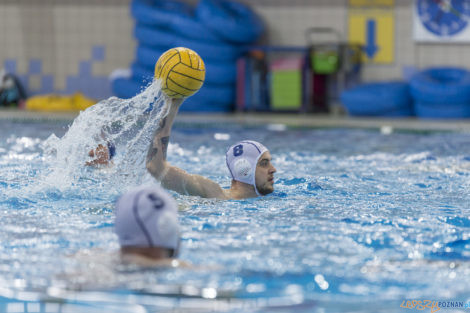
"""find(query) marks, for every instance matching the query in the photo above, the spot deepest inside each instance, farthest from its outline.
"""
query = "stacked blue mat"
(218, 30)
(441, 92)
(386, 99)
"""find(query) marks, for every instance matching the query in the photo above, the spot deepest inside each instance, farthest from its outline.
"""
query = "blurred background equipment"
(335, 66)
(54, 102)
(298, 78)
(12, 93)
(286, 83)
(386, 99)
(260, 55)
(441, 92)
(217, 30)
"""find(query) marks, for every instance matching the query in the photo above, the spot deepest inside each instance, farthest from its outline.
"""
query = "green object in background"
(286, 90)
(324, 62)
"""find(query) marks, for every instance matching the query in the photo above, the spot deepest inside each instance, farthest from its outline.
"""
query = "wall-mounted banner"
(441, 20)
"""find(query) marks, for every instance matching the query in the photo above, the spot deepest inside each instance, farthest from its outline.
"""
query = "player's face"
(264, 175)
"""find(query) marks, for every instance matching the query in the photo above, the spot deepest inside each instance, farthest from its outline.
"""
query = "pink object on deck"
(287, 64)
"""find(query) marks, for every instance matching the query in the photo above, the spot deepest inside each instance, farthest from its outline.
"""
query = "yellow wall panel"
(371, 3)
(375, 31)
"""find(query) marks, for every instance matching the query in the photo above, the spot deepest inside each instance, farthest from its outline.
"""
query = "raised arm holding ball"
(181, 72)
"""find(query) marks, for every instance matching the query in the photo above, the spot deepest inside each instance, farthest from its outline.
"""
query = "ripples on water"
(357, 216)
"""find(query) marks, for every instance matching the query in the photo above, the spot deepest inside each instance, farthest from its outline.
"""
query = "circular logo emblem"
(242, 168)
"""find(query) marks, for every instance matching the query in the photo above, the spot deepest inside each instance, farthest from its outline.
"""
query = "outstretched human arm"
(172, 177)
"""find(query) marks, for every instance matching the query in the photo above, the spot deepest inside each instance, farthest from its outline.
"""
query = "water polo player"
(147, 227)
(249, 163)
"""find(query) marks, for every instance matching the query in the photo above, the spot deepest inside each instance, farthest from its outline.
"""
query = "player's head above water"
(147, 223)
(249, 162)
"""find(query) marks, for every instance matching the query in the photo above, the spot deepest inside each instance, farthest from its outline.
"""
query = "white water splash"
(127, 123)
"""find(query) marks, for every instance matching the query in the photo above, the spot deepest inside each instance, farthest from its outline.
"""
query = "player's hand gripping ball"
(181, 71)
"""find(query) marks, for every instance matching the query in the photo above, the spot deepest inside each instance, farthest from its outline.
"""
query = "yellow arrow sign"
(375, 31)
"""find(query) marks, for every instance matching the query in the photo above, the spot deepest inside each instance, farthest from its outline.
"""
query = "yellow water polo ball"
(181, 71)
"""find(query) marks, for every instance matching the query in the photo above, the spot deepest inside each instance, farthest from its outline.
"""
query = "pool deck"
(291, 120)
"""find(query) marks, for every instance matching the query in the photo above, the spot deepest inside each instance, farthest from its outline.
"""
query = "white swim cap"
(241, 160)
(147, 217)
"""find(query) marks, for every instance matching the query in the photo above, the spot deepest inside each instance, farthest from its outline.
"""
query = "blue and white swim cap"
(147, 217)
(242, 159)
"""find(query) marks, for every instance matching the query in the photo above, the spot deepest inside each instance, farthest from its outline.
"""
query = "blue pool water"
(359, 222)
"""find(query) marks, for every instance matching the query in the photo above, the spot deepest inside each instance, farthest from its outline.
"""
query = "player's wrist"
(177, 102)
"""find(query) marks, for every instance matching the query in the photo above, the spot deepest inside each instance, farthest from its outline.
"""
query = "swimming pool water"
(359, 221)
